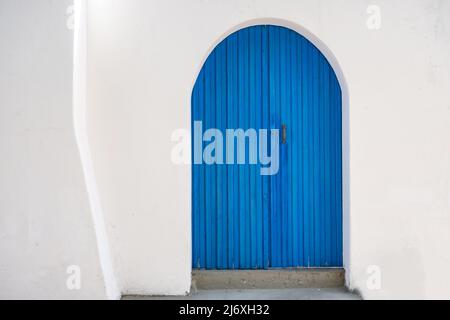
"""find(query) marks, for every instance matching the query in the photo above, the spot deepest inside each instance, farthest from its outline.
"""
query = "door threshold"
(268, 279)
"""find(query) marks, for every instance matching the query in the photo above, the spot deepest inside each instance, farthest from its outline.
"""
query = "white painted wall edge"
(80, 127)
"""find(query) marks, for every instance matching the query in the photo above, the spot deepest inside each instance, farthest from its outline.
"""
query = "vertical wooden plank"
(321, 177)
(246, 125)
(224, 168)
(339, 165)
(241, 124)
(293, 154)
(291, 140)
(265, 124)
(279, 191)
(305, 150)
(221, 116)
(299, 152)
(251, 172)
(257, 240)
(259, 177)
(316, 124)
(206, 124)
(213, 168)
(287, 106)
(289, 149)
(231, 94)
(333, 169)
(272, 108)
(283, 161)
(201, 180)
(327, 146)
(236, 170)
(311, 146)
(210, 170)
(218, 186)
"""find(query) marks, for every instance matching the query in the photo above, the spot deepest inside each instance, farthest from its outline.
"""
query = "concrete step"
(267, 279)
(260, 294)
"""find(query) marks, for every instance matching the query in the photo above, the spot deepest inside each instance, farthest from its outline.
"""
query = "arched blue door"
(269, 77)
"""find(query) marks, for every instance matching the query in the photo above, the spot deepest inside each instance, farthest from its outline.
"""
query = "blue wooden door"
(269, 77)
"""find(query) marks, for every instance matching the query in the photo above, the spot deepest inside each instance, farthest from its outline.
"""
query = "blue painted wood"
(265, 124)
(264, 77)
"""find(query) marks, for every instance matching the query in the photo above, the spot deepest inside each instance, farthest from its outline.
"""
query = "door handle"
(283, 134)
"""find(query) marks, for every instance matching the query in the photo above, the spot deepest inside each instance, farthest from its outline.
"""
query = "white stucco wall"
(143, 58)
(46, 222)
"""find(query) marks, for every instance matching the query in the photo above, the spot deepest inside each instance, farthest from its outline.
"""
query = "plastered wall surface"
(45, 217)
(143, 59)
